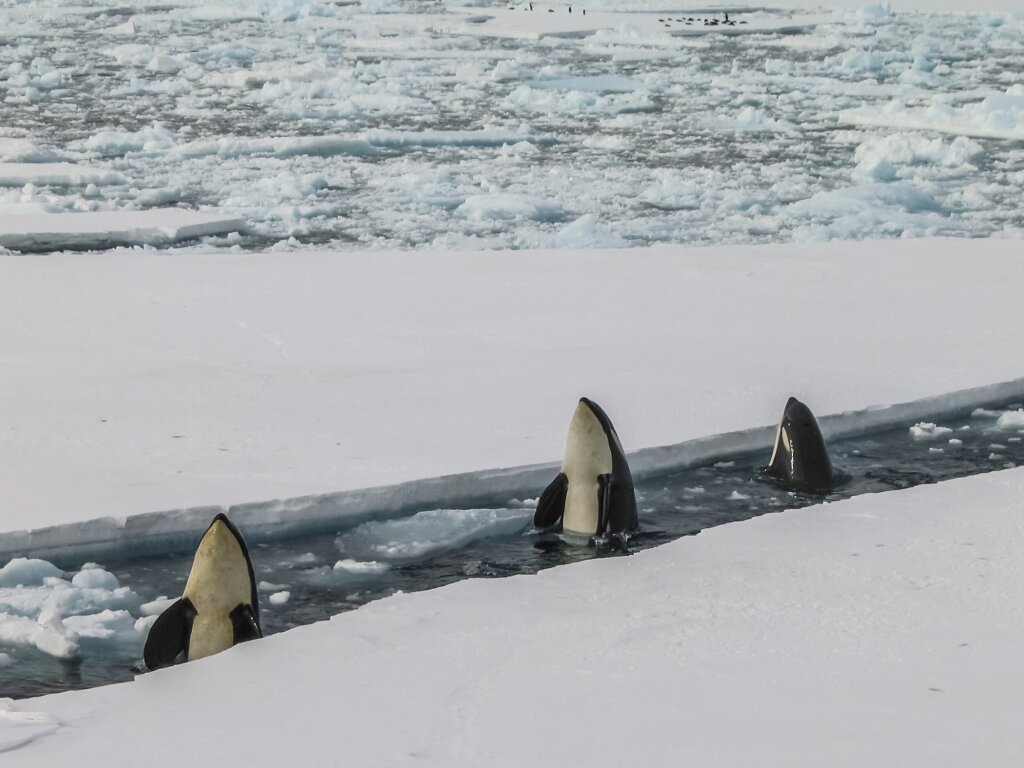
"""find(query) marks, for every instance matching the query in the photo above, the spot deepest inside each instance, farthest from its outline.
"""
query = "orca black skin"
(800, 460)
(593, 494)
(219, 608)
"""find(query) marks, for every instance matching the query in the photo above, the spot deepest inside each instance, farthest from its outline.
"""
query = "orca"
(219, 607)
(800, 459)
(593, 493)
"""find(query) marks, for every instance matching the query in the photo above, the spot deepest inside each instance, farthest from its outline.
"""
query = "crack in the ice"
(41, 725)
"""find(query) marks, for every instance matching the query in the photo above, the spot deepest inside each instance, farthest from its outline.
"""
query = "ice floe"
(55, 174)
(998, 115)
(55, 231)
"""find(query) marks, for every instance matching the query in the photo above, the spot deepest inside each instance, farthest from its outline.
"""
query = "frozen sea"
(417, 126)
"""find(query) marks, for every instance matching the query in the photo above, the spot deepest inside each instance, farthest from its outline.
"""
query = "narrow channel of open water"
(429, 550)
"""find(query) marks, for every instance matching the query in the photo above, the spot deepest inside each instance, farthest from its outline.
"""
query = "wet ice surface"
(868, 125)
(309, 579)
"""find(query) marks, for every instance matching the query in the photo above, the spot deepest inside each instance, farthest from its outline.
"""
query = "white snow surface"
(166, 381)
(883, 630)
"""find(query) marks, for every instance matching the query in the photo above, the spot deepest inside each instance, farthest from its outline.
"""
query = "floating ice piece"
(1010, 420)
(360, 567)
(267, 586)
(280, 598)
(93, 576)
(863, 198)
(429, 533)
(154, 138)
(357, 144)
(157, 226)
(587, 232)
(915, 149)
(925, 430)
(56, 175)
(509, 206)
(27, 151)
(158, 606)
(48, 633)
(108, 625)
(22, 571)
(592, 84)
(999, 115)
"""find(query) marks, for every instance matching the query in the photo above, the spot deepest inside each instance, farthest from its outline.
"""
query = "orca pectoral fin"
(168, 637)
(551, 505)
(244, 623)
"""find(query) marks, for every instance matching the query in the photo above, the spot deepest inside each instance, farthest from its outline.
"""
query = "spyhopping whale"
(593, 493)
(219, 607)
(800, 460)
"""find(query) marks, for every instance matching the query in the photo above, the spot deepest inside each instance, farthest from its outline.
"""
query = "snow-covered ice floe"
(100, 229)
(539, 20)
(767, 642)
(299, 389)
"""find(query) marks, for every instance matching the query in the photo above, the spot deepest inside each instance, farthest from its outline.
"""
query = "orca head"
(800, 459)
(587, 412)
(587, 447)
(222, 575)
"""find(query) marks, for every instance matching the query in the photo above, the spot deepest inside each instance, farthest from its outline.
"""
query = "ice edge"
(164, 531)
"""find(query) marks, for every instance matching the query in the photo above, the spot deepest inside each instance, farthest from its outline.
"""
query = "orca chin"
(593, 493)
(800, 460)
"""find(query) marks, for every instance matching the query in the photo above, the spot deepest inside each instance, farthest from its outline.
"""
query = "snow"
(21, 727)
(192, 380)
(156, 226)
(855, 633)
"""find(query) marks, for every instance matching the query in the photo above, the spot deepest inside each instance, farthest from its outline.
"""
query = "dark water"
(671, 506)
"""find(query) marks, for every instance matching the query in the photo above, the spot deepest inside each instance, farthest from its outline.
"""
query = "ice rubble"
(752, 126)
(40, 608)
